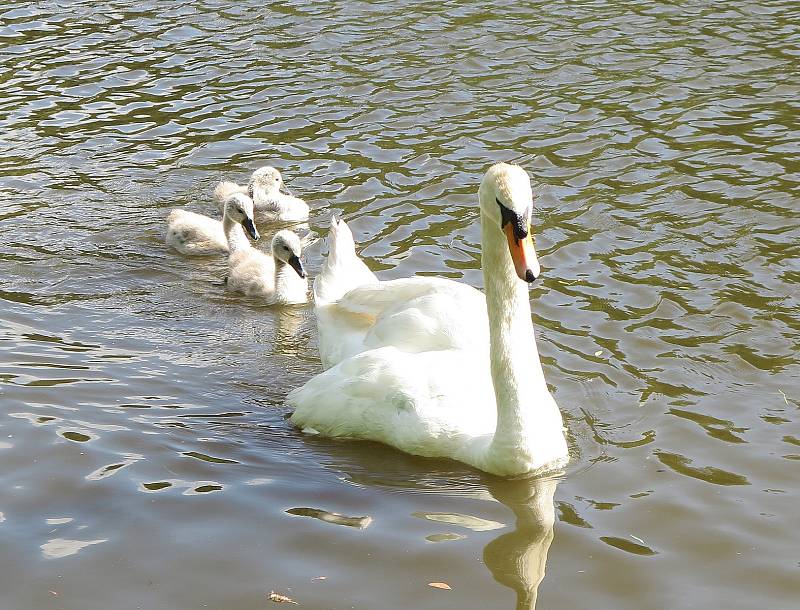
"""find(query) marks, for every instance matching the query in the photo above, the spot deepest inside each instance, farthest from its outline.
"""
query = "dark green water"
(145, 459)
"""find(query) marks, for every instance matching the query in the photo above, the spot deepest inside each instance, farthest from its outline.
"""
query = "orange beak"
(526, 263)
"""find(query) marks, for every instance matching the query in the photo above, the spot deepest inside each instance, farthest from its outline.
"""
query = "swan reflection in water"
(288, 324)
(517, 559)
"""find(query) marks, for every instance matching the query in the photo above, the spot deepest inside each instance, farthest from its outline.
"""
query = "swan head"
(268, 179)
(239, 208)
(506, 201)
(286, 247)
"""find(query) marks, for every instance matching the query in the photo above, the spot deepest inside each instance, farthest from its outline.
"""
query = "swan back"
(194, 234)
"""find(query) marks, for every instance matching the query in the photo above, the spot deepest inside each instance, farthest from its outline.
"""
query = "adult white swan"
(432, 366)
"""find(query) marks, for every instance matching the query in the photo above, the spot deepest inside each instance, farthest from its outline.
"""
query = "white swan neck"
(282, 277)
(234, 232)
(528, 421)
(515, 358)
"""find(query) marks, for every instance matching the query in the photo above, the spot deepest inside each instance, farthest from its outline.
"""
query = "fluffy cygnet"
(191, 233)
(273, 202)
(278, 279)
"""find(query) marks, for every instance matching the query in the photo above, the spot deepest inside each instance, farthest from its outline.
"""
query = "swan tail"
(342, 270)
(340, 242)
(225, 189)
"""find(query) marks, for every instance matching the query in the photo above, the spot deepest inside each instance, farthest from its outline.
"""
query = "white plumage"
(279, 279)
(195, 234)
(266, 189)
(432, 366)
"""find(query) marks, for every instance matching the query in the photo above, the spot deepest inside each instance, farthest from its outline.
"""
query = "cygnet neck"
(234, 232)
(261, 193)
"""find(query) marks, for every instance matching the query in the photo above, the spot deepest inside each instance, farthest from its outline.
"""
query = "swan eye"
(509, 216)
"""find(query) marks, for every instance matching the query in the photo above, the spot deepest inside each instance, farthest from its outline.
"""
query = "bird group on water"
(428, 365)
(278, 277)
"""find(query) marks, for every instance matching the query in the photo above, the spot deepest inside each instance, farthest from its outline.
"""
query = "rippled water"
(145, 458)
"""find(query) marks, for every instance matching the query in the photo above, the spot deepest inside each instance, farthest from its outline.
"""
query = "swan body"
(432, 366)
(273, 203)
(279, 279)
(195, 234)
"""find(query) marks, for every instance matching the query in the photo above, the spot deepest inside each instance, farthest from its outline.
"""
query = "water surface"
(145, 456)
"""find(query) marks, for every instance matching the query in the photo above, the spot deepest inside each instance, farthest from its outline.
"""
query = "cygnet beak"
(250, 227)
(294, 261)
(285, 189)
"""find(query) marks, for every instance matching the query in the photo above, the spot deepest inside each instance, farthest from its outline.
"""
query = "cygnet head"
(267, 179)
(286, 247)
(506, 201)
(239, 208)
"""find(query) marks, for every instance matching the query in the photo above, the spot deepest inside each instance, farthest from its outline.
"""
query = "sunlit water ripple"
(146, 458)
